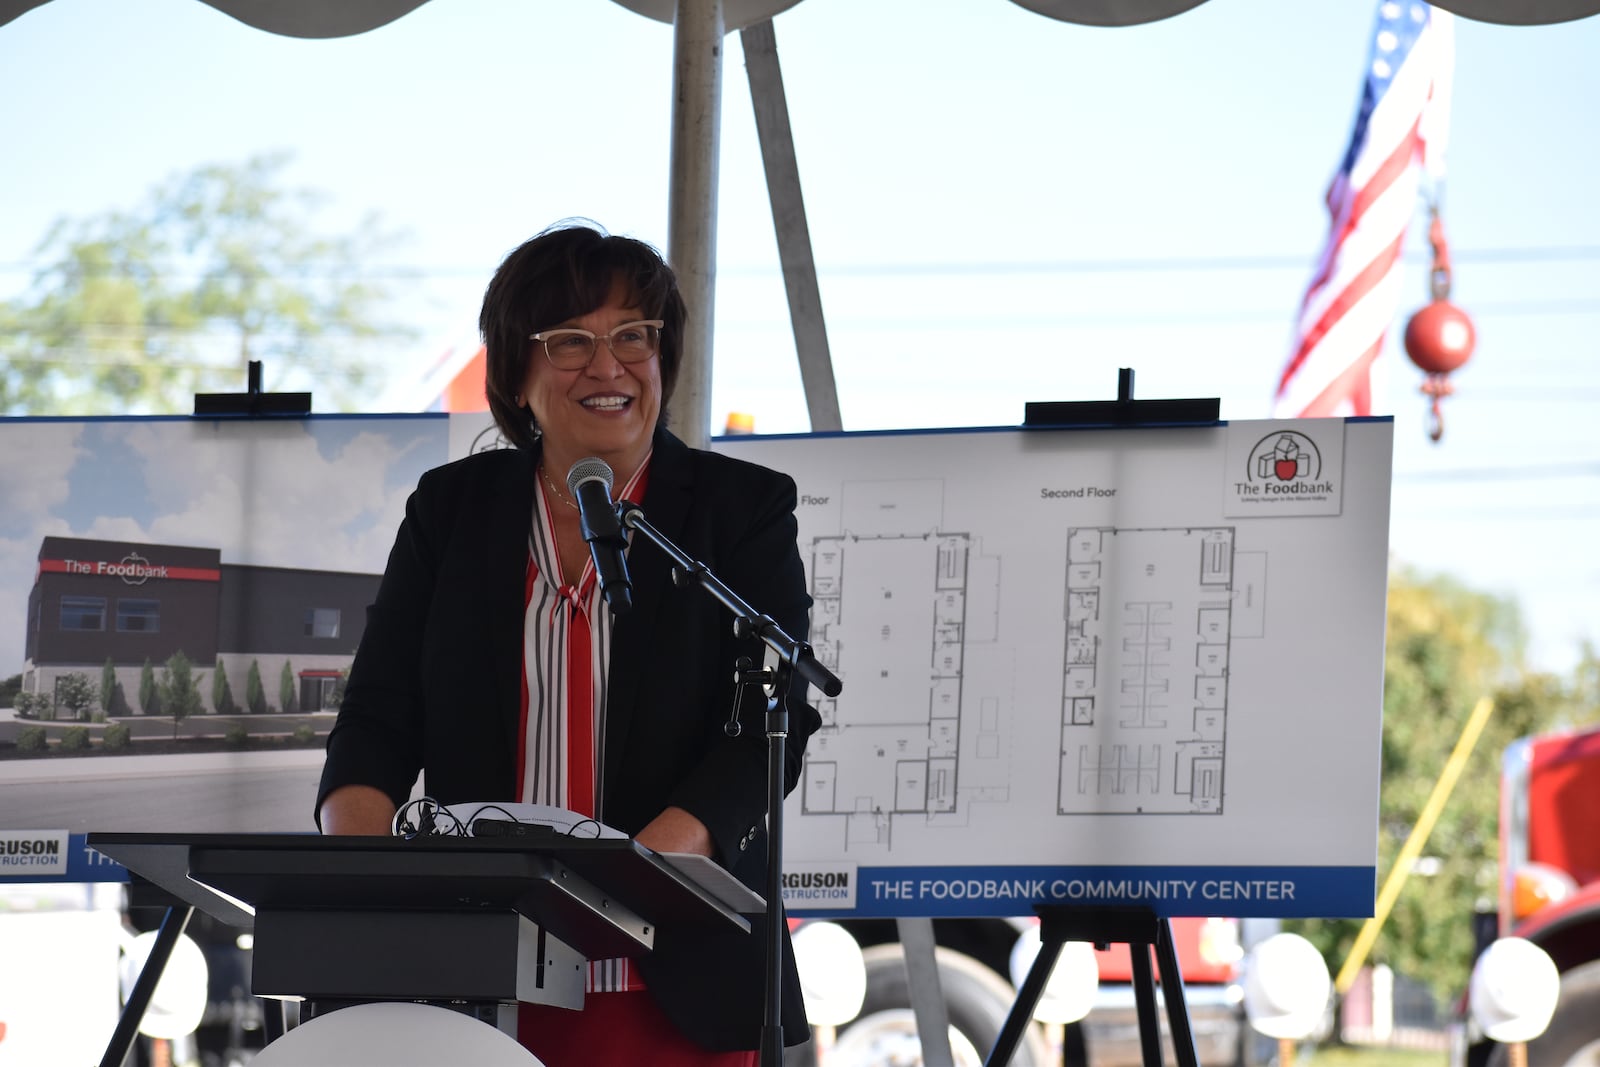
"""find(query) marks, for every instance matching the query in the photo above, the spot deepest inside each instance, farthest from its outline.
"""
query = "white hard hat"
(833, 974)
(1515, 986)
(1286, 987)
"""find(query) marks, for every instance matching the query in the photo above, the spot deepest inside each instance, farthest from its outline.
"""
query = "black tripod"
(1141, 930)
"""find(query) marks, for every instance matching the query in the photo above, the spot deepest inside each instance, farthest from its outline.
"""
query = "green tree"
(137, 310)
(180, 690)
(255, 696)
(112, 699)
(75, 692)
(288, 701)
(149, 691)
(1446, 647)
(9, 688)
(222, 692)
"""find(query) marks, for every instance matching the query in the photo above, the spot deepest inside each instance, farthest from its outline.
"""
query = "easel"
(1141, 930)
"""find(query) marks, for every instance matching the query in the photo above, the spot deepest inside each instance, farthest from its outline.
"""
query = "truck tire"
(1571, 1039)
(976, 999)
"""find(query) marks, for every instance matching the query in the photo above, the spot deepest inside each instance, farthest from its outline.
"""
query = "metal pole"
(927, 996)
(692, 204)
(789, 221)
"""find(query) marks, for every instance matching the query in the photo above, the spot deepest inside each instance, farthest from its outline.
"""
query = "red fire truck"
(1550, 890)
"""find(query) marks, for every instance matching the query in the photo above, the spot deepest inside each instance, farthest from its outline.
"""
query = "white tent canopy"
(319, 18)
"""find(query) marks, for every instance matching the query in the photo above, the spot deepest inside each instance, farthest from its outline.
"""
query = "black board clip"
(1124, 411)
(252, 403)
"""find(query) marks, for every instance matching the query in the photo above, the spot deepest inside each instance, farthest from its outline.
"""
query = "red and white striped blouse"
(566, 650)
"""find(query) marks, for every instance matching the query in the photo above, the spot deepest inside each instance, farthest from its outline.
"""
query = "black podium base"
(402, 955)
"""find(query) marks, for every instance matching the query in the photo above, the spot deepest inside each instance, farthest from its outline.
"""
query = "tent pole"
(789, 220)
(698, 30)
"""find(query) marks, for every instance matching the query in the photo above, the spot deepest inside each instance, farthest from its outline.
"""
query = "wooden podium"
(475, 923)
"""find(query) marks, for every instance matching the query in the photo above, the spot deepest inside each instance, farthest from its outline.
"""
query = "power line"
(1155, 264)
(1179, 264)
(1062, 319)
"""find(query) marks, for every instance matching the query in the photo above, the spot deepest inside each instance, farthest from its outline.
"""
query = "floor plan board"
(1084, 665)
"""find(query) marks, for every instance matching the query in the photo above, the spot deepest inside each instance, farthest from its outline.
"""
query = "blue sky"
(1003, 207)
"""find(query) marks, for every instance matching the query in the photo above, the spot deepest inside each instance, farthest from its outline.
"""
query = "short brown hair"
(567, 271)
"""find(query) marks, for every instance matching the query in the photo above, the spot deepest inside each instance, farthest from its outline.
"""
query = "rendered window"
(138, 616)
(83, 613)
(322, 622)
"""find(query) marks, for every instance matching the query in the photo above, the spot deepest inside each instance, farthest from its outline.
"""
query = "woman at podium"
(491, 665)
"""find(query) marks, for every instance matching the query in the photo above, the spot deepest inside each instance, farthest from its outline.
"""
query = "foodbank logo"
(1287, 463)
(133, 569)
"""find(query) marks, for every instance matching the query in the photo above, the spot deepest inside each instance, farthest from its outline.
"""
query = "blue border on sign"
(958, 892)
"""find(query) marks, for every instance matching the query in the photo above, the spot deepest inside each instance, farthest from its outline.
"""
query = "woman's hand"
(357, 809)
(675, 830)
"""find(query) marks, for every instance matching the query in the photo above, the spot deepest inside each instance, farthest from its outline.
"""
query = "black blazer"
(436, 686)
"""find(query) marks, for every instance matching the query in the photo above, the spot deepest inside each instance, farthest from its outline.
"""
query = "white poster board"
(1116, 667)
(1130, 667)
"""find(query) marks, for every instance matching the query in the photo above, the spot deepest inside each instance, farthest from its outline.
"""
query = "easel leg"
(1172, 992)
(1144, 999)
(1017, 1020)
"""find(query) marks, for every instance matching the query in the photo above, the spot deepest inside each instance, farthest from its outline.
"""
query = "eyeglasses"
(572, 349)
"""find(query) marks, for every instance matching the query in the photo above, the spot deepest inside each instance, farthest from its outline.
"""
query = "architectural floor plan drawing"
(1144, 695)
(895, 612)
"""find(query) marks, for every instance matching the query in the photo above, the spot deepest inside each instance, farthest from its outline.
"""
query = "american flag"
(1335, 363)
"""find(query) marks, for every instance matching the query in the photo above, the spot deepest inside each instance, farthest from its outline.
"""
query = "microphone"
(589, 482)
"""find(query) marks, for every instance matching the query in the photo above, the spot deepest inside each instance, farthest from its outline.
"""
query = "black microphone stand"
(794, 657)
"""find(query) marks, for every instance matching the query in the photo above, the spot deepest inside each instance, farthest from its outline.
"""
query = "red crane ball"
(1440, 338)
